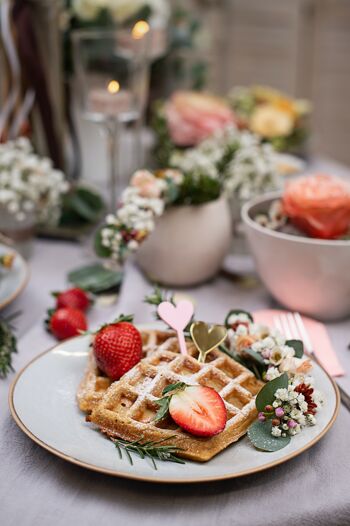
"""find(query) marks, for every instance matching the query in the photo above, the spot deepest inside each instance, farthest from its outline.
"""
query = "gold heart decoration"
(206, 339)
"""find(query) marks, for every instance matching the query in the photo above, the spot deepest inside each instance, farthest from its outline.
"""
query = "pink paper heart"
(177, 316)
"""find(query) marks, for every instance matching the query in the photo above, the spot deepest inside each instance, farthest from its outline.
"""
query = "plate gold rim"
(23, 283)
(131, 476)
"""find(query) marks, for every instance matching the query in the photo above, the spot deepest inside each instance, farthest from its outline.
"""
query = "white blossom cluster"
(29, 185)
(120, 10)
(132, 223)
(269, 343)
(249, 171)
(294, 407)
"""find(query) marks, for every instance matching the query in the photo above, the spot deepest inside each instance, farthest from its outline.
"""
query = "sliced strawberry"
(199, 410)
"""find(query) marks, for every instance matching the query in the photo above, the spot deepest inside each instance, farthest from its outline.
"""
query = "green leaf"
(100, 249)
(254, 356)
(165, 401)
(124, 317)
(298, 347)
(267, 394)
(163, 408)
(259, 433)
(80, 206)
(179, 386)
(236, 312)
(8, 346)
(95, 278)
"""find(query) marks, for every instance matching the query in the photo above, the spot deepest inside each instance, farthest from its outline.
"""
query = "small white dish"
(43, 403)
(14, 280)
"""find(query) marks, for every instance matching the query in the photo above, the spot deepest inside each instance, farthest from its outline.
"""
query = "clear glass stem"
(138, 127)
(113, 141)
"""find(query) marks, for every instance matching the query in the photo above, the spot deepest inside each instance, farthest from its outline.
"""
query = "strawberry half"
(199, 410)
(75, 298)
(67, 322)
(117, 348)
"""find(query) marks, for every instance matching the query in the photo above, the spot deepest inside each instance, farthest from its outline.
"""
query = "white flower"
(28, 184)
(282, 394)
(311, 420)
(272, 373)
(276, 356)
(275, 431)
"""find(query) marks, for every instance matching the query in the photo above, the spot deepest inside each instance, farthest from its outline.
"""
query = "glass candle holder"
(112, 74)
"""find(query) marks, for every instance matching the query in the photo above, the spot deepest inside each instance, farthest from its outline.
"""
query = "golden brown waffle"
(129, 406)
(95, 383)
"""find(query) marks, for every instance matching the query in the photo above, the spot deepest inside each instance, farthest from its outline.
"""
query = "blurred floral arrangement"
(186, 118)
(271, 114)
(239, 161)
(230, 163)
(31, 188)
(317, 205)
(29, 185)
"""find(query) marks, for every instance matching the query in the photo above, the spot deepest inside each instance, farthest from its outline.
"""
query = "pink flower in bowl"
(193, 116)
(319, 205)
(147, 184)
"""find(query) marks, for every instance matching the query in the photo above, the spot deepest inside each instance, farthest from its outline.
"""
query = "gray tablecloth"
(37, 488)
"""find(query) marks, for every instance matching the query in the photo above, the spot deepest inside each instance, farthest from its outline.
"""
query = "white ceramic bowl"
(304, 274)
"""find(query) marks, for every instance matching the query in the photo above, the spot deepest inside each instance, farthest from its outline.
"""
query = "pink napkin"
(318, 335)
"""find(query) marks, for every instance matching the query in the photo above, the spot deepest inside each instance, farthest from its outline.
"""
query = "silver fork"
(292, 326)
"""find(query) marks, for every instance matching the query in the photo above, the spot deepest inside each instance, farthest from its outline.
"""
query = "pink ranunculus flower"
(147, 184)
(193, 116)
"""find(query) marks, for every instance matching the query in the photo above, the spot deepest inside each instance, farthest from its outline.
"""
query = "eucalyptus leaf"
(266, 394)
(259, 433)
(254, 355)
(81, 206)
(95, 278)
(236, 312)
(298, 347)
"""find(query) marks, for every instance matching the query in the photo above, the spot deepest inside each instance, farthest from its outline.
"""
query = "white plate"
(12, 281)
(42, 402)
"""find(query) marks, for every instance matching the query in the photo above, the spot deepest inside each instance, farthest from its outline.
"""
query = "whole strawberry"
(75, 298)
(66, 322)
(117, 347)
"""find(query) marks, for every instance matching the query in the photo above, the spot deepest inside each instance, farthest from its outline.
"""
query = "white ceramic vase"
(188, 244)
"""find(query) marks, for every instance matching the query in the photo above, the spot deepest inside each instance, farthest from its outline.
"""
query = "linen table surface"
(37, 488)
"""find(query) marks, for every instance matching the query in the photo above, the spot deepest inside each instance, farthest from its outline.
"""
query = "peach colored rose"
(147, 184)
(193, 116)
(304, 366)
(244, 341)
(319, 205)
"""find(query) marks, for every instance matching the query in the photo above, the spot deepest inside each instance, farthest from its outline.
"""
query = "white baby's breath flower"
(275, 431)
(272, 373)
(28, 184)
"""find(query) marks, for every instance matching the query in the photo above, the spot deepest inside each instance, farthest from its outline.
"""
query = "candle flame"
(140, 29)
(113, 86)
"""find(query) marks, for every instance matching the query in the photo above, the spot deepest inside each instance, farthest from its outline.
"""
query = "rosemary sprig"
(157, 296)
(149, 449)
(8, 345)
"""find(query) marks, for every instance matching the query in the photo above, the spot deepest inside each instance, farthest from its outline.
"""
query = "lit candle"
(110, 101)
